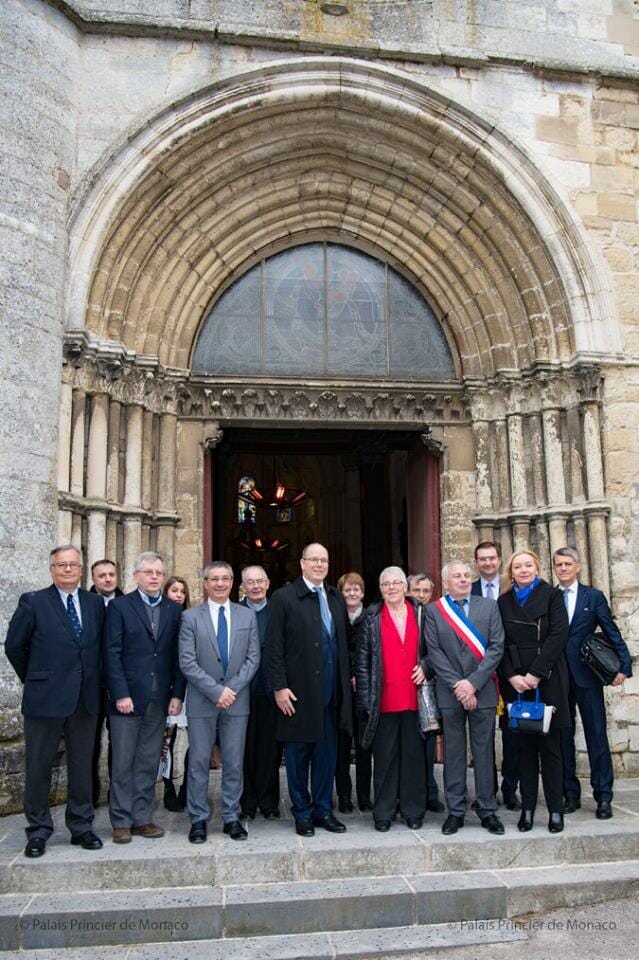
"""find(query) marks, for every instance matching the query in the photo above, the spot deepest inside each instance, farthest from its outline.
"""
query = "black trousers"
(534, 749)
(42, 739)
(363, 765)
(262, 758)
(399, 770)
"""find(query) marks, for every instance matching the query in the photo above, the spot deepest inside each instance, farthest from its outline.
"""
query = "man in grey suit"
(219, 655)
(464, 645)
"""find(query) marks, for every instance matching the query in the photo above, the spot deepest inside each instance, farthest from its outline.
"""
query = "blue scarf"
(523, 593)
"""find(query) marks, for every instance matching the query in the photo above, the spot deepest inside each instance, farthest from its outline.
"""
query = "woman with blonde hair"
(536, 627)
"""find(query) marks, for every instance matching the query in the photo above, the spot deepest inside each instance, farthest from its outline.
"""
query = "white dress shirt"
(76, 601)
(571, 591)
(214, 610)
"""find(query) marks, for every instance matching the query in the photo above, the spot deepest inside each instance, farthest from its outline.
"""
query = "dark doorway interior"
(369, 501)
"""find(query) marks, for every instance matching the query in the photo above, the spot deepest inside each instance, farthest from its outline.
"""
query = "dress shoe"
(273, 814)
(197, 833)
(122, 835)
(604, 810)
(383, 826)
(512, 802)
(344, 805)
(329, 823)
(364, 804)
(304, 828)
(248, 814)
(525, 822)
(149, 830)
(87, 840)
(414, 823)
(235, 830)
(493, 824)
(435, 806)
(171, 799)
(474, 805)
(452, 824)
(571, 805)
(35, 847)
(555, 822)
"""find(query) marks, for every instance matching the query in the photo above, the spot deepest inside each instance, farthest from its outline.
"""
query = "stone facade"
(154, 151)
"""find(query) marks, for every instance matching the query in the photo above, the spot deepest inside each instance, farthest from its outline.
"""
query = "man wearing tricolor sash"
(465, 643)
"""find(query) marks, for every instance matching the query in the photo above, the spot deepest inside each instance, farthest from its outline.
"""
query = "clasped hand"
(466, 694)
(522, 683)
(227, 699)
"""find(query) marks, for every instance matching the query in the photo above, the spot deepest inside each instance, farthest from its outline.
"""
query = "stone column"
(76, 479)
(146, 496)
(166, 486)
(598, 540)
(481, 440)
(555, 479)
(96, 477)
(132, 524)
(581, 545)
(543, 549)
(113, 479)
(65, 517)
(592, 450)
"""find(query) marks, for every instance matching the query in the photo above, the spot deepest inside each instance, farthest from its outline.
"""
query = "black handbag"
(600, 656)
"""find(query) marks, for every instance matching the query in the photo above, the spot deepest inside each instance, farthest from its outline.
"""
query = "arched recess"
(339, 149)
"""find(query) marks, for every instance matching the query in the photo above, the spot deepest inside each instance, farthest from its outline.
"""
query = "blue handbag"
(527, 716)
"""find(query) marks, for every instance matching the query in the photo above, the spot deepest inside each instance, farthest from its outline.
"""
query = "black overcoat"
(368, 667)
(294, 658)
(536, 636)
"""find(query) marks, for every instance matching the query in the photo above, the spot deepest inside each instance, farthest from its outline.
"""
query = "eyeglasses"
(321, 560)
(219, 579)
(392, 583)
(66, 566)
(254, 583)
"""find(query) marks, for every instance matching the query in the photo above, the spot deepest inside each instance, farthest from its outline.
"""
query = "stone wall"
(40, 58)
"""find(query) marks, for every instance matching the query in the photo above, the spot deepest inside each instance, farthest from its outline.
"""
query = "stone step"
(115, 917)
(273, 853)
(418, 940)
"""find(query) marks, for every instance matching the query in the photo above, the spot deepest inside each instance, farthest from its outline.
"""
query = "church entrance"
(371, 496)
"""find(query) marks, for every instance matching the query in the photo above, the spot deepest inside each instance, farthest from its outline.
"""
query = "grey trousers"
(136, 743)
(202, 734)
(481, 726)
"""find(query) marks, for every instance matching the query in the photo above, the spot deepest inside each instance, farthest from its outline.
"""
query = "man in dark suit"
(104, 574)
(144, 684)
(465, 643)
(488, 562)
(587, 610)
(263, 751)
(307, 667)
(219, 656)
(53, 643)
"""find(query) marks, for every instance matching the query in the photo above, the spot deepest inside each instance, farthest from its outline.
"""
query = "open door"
(423, 514)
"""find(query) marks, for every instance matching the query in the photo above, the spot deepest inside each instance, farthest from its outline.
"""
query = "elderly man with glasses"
(307, 668)
(53, 644)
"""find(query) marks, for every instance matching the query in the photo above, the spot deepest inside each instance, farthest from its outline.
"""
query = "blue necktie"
(490, 586)
(76, 626)
(463, 606)
(324, 611)
(223, 639)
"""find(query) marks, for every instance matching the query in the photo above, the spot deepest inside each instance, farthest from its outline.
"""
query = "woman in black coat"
(536, 626)
(389, 666)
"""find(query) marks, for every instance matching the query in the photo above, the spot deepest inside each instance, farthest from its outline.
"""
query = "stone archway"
(333, 149)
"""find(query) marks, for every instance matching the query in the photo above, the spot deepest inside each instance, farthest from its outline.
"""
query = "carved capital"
(589, 382)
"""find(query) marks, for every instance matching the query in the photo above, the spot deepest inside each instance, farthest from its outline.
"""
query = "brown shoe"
(149, 830)
(121, 835)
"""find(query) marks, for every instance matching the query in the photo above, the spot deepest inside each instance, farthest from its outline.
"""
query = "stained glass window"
(245, 511)
(323, 310)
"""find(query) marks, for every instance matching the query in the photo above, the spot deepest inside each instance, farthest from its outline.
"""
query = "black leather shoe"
(235, 830)
(435, 806)
(247, 815)
(344, 805)
(512, 802)
(273, 814)
(452, 824)
(572, 805)
(414, 823)
(35, 847)
(555, 822)
(525, 822)
(88, 841)
(383, 826)
(364, 804)
(197, 833)
(474, 805)
(493, 824)
(329, 823)
(604, 810)
(304, 828)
